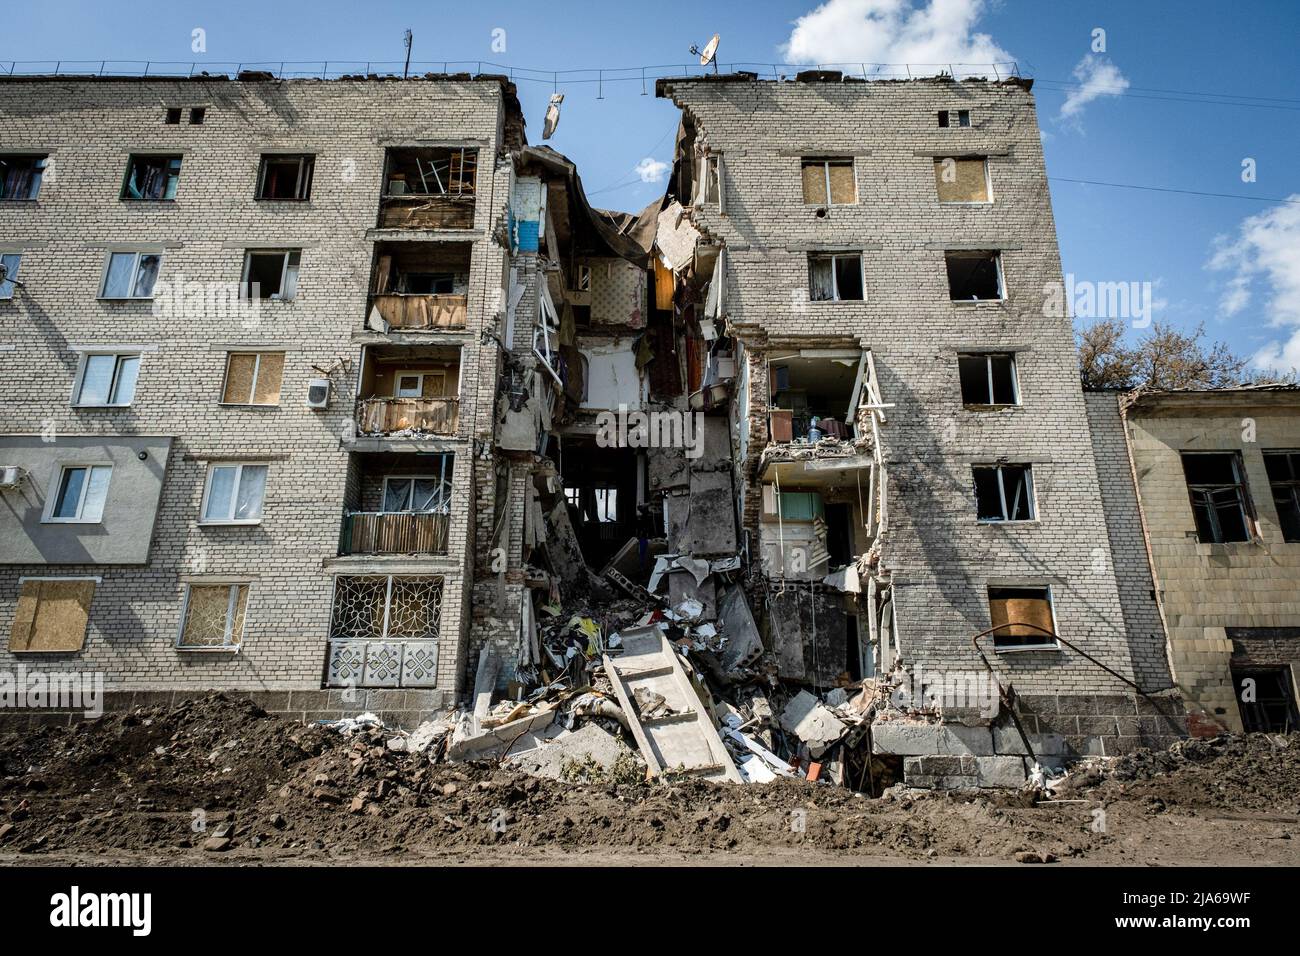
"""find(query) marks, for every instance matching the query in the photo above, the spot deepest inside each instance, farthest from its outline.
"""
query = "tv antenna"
(408, 38)
(709, 53)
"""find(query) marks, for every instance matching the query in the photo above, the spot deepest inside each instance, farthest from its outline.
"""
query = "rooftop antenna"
(708, 54)
(407, 39)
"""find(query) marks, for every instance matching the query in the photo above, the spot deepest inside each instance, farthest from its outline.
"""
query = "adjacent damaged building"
(339, 393)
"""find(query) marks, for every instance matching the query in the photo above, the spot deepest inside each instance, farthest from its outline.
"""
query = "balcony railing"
(419, 211)
(382, 416)
(404, 311)
(394, 532)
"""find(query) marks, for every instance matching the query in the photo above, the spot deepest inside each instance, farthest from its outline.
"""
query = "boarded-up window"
(962, 180)
(52, 614)
(253, 378)
(829, 182)
(1022, 616)
(214, 615)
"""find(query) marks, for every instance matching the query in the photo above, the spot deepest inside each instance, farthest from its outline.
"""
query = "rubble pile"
(218, 776)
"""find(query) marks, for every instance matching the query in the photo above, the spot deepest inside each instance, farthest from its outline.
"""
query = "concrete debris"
(581, 751)
(812, 722)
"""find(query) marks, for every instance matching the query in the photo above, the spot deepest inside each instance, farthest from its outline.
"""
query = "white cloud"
(1097, 77)
(651, 170)
(1265, 252)
(894, 31)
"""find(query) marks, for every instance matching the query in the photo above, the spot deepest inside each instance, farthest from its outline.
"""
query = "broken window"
(828, 182)
(974, 276)
(107, 379)
(213, 615)
(270, 273)
(1217, 488)
(131, 275)
(286, 177)
(1284, 476)
(946, 117)
(712, 182)
(606, 504)
(1271, 707)
(79, 494)
(51, 615)
(835, 278)
(9, 263)
(197, 115)
(584, 277)
(431, 171)
(1022, 617)
(815, 393)
(253, 378)
(1004, 492)
(962, 179)
(20, 175)
(152, 178)
(233, 494)
(988, 378)
(173, 116)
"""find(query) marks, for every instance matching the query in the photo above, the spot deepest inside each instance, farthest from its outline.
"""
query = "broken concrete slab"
(590, 744)
(812, 722)
(466, 745)
(1006, 740)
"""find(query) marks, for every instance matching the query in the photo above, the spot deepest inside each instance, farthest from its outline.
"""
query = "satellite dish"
(710, 51)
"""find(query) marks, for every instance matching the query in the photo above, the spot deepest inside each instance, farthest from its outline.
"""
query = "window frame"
(257, 371)
(1241, 486)
(1044, 645)
(306, 177)
(287, 254)
(79, 381)
(1030, 486)
(233, 642)
(165, 159)
(988, 369)
(971, 254)
(835, 282)
(1290, 486)
(138, 255)
(11, 278)
(988, 183)
(421, 375)
(444, 491)
(40, 163)
(239, 467)
(826, 162)
(52, 499)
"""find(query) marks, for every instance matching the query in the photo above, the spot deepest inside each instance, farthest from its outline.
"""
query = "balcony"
(394, 532)
(429, 188)
(407, 311)
(387, 416)
(419, 286)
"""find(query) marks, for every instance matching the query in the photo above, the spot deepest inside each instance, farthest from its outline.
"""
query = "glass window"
(1218, 495)
(235, 493)
(108, 379)
(81, 493)
(214, 615)
(9, 263)
(131, 275)
(1284, 478)
(152, 177)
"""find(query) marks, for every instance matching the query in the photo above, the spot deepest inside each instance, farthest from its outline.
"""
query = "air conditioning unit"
(10, 476)
(318, 393)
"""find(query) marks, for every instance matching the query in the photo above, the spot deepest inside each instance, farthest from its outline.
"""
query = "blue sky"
(1232, 264)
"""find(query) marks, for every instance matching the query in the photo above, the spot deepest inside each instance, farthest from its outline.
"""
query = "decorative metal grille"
(384, 631)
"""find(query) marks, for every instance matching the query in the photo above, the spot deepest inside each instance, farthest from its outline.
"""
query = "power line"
(1168, 189)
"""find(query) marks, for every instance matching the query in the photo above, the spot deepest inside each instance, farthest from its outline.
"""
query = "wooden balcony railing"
(394, 532)
(420, 211)
(403, 311)
(382, 416)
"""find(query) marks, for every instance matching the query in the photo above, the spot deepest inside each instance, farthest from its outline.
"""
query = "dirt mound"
(220, 774)
(1259, 772)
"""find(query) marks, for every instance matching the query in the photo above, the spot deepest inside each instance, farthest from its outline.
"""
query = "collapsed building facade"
(800, 436)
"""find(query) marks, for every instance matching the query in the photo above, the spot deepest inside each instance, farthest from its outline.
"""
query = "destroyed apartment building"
(786, 474)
